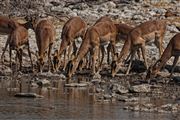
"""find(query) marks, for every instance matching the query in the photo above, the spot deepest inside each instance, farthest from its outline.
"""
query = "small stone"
(143, 88)
(43, 83)
(62, 76)
(119, 89)
(28, 95)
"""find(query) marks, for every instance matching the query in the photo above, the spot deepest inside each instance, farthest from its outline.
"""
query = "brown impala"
(18, 36)
(101, 33)
(45, 36)
(137, 38)
(172, 49)
(73, 28)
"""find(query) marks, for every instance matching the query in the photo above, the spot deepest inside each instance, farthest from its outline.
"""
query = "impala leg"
(99, 55)
(74, 48)
(144, 55)
(102, 58)
(29, 52)
(158, 43)
(108, 53)
(90, 59)
(10, 55)
(113, 51)
(49, 57)
(95, 56)
(139, 54)
(19, 55)
(64, 61)
(133, 52)
(174, 65)
(69, 51)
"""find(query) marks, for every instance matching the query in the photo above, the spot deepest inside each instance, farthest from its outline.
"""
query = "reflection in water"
(64, 103)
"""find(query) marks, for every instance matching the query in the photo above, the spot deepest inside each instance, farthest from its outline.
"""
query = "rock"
(99, 90)
(143, 88)
(57, 3)
(172, 28)
(96, 81)
(169, 108)
(96, 76)
(76, 85)
(12, 89)
(107, 96)
(137, 17)
(5, 71)
(109, 5)
(147, 107)
(159, 11)
(56, 9)
(122, 98)
(43, 83)
(80, 6)
(157, 1)
(73, 14)
(62, 76)
(34, 85)
(132, 99)
(119, 89)
(28, 95)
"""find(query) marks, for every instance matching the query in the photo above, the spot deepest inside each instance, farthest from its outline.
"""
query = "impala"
(73, 28)
(137, 38)
(172, 49)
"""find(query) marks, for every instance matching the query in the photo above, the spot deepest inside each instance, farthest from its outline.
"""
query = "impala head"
(30, 22)
(152, 71)
(56, 60)
(70, 68)
(40, 61)
(114, 67)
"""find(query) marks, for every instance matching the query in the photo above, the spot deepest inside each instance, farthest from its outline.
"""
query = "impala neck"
(125, 50)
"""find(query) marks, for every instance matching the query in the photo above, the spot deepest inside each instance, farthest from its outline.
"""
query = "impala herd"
(95, 38)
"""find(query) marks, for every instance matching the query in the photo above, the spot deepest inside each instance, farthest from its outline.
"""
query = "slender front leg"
(108, 53)
(133, 51)
(143, 49)
(113, 51)
(102, 57)
(69, 51)
(74, 48)
(49, 57)
(158, 42)
(20, 59)
(95, 56)
(174, 65)
(10, 54)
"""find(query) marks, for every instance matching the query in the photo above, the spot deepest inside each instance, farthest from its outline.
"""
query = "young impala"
(73, 28)
(101, 33)
(45, 36)
(137, 38)
(172, 49)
